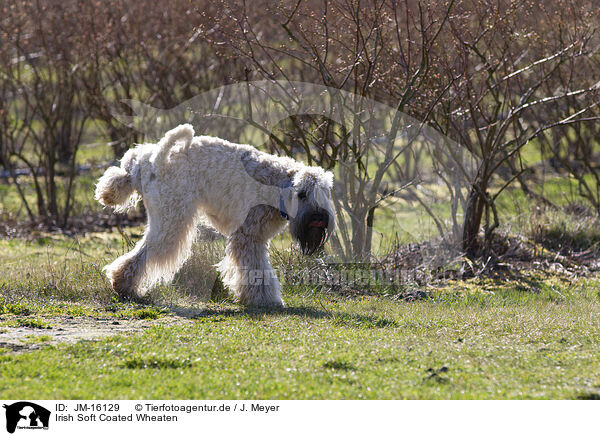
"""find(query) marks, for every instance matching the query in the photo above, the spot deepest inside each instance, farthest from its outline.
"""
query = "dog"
(245, 194)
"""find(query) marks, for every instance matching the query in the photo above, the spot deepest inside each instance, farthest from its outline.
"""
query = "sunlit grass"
(536, 336)
(448, 347)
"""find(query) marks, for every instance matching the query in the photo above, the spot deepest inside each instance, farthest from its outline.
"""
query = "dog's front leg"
(247, 271)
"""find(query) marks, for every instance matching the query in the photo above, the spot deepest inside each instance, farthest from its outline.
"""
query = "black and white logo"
(26, 415)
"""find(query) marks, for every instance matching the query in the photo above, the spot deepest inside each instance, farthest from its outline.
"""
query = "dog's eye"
(302, 195)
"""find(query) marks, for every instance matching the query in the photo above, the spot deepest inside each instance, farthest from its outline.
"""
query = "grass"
(37, 339)
(509, 345)
(33, 323)
(566, 234)
(139, 313)
(534, 336)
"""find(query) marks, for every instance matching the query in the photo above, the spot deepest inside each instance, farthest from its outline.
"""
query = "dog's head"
(308, 206)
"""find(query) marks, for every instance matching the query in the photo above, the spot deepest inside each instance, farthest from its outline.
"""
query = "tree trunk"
(473, 216)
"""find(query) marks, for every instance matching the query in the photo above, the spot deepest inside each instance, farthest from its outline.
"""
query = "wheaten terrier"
(245, 194)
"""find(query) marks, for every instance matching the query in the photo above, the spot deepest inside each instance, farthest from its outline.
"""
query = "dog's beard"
(310, 231)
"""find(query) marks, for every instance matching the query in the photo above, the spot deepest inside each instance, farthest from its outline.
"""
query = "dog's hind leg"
(126, 271)
(246, 268)
(165, 246)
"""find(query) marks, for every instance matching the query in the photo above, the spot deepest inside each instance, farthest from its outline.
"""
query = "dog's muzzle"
(315, 233)
(319, 221)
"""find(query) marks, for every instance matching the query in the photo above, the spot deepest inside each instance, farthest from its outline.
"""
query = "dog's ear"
(322, 197)
(291, 201)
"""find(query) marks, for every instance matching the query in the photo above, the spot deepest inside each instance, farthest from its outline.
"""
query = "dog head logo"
(26, 415)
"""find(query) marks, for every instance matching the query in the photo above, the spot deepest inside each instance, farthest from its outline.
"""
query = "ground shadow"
(338, 318)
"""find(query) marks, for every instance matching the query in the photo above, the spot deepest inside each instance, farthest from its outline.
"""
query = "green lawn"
(467, 343)
(536, 335)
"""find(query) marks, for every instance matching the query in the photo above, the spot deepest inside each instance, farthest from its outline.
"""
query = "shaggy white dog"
(247, 195)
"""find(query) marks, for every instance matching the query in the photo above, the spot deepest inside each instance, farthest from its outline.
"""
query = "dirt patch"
(19, 334)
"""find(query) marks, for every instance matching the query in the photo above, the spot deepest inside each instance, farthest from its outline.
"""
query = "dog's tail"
(183, 133)
(115, 189)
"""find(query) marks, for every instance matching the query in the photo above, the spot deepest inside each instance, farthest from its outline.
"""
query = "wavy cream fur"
(183, 179)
